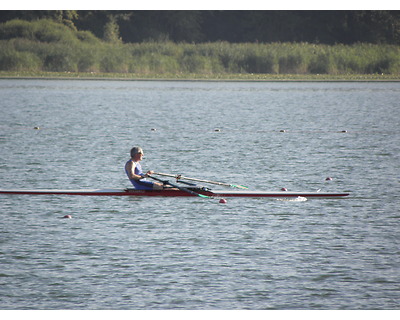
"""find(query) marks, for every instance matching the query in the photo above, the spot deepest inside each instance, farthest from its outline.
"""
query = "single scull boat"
(177, 193)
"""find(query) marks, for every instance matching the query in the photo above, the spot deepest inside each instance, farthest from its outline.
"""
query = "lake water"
(193, 253)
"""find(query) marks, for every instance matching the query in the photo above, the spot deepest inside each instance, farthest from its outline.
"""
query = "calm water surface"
(120, 253)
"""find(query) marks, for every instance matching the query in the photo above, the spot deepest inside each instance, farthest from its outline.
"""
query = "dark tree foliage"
(325, 27)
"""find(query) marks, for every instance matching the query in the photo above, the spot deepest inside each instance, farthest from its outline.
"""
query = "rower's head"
(136, 151)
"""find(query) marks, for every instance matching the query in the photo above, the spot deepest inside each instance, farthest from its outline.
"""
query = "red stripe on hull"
(177, 193)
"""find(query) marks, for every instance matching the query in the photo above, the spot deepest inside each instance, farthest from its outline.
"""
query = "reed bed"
(45, 46)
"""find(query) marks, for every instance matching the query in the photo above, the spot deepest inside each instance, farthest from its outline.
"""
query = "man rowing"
(135, 174)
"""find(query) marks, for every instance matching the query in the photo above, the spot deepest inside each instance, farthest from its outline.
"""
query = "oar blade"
(238, 186)
(203, 196)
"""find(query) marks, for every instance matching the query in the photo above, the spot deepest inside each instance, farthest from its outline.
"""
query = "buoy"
(328, 179)
(222, 201)
(67, 216)
(283, 189)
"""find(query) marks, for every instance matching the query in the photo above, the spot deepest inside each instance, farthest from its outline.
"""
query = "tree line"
(57, 43)
(188, 26)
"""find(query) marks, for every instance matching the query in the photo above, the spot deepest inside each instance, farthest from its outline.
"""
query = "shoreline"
(200, 77)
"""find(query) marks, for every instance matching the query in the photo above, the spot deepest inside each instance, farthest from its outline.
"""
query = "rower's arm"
(130, 169)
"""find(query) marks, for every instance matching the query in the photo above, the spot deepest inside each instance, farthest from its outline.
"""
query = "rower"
(134, 172)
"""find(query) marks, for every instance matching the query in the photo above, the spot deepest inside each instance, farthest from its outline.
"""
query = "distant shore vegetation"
(47, 46)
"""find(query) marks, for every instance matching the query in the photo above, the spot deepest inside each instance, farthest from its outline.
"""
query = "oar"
(180, 188)
(177, 177)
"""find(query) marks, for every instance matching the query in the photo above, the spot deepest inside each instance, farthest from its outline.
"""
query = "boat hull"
(177, 193)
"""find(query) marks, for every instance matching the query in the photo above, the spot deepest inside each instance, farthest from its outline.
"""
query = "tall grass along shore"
(43, 47)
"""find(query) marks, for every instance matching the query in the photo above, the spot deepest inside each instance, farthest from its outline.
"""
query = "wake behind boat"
(195, 191)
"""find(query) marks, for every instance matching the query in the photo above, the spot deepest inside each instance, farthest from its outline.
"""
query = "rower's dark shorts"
(142, 185)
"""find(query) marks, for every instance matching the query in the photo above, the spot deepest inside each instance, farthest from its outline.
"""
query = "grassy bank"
(196, 76)
(46, 48)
